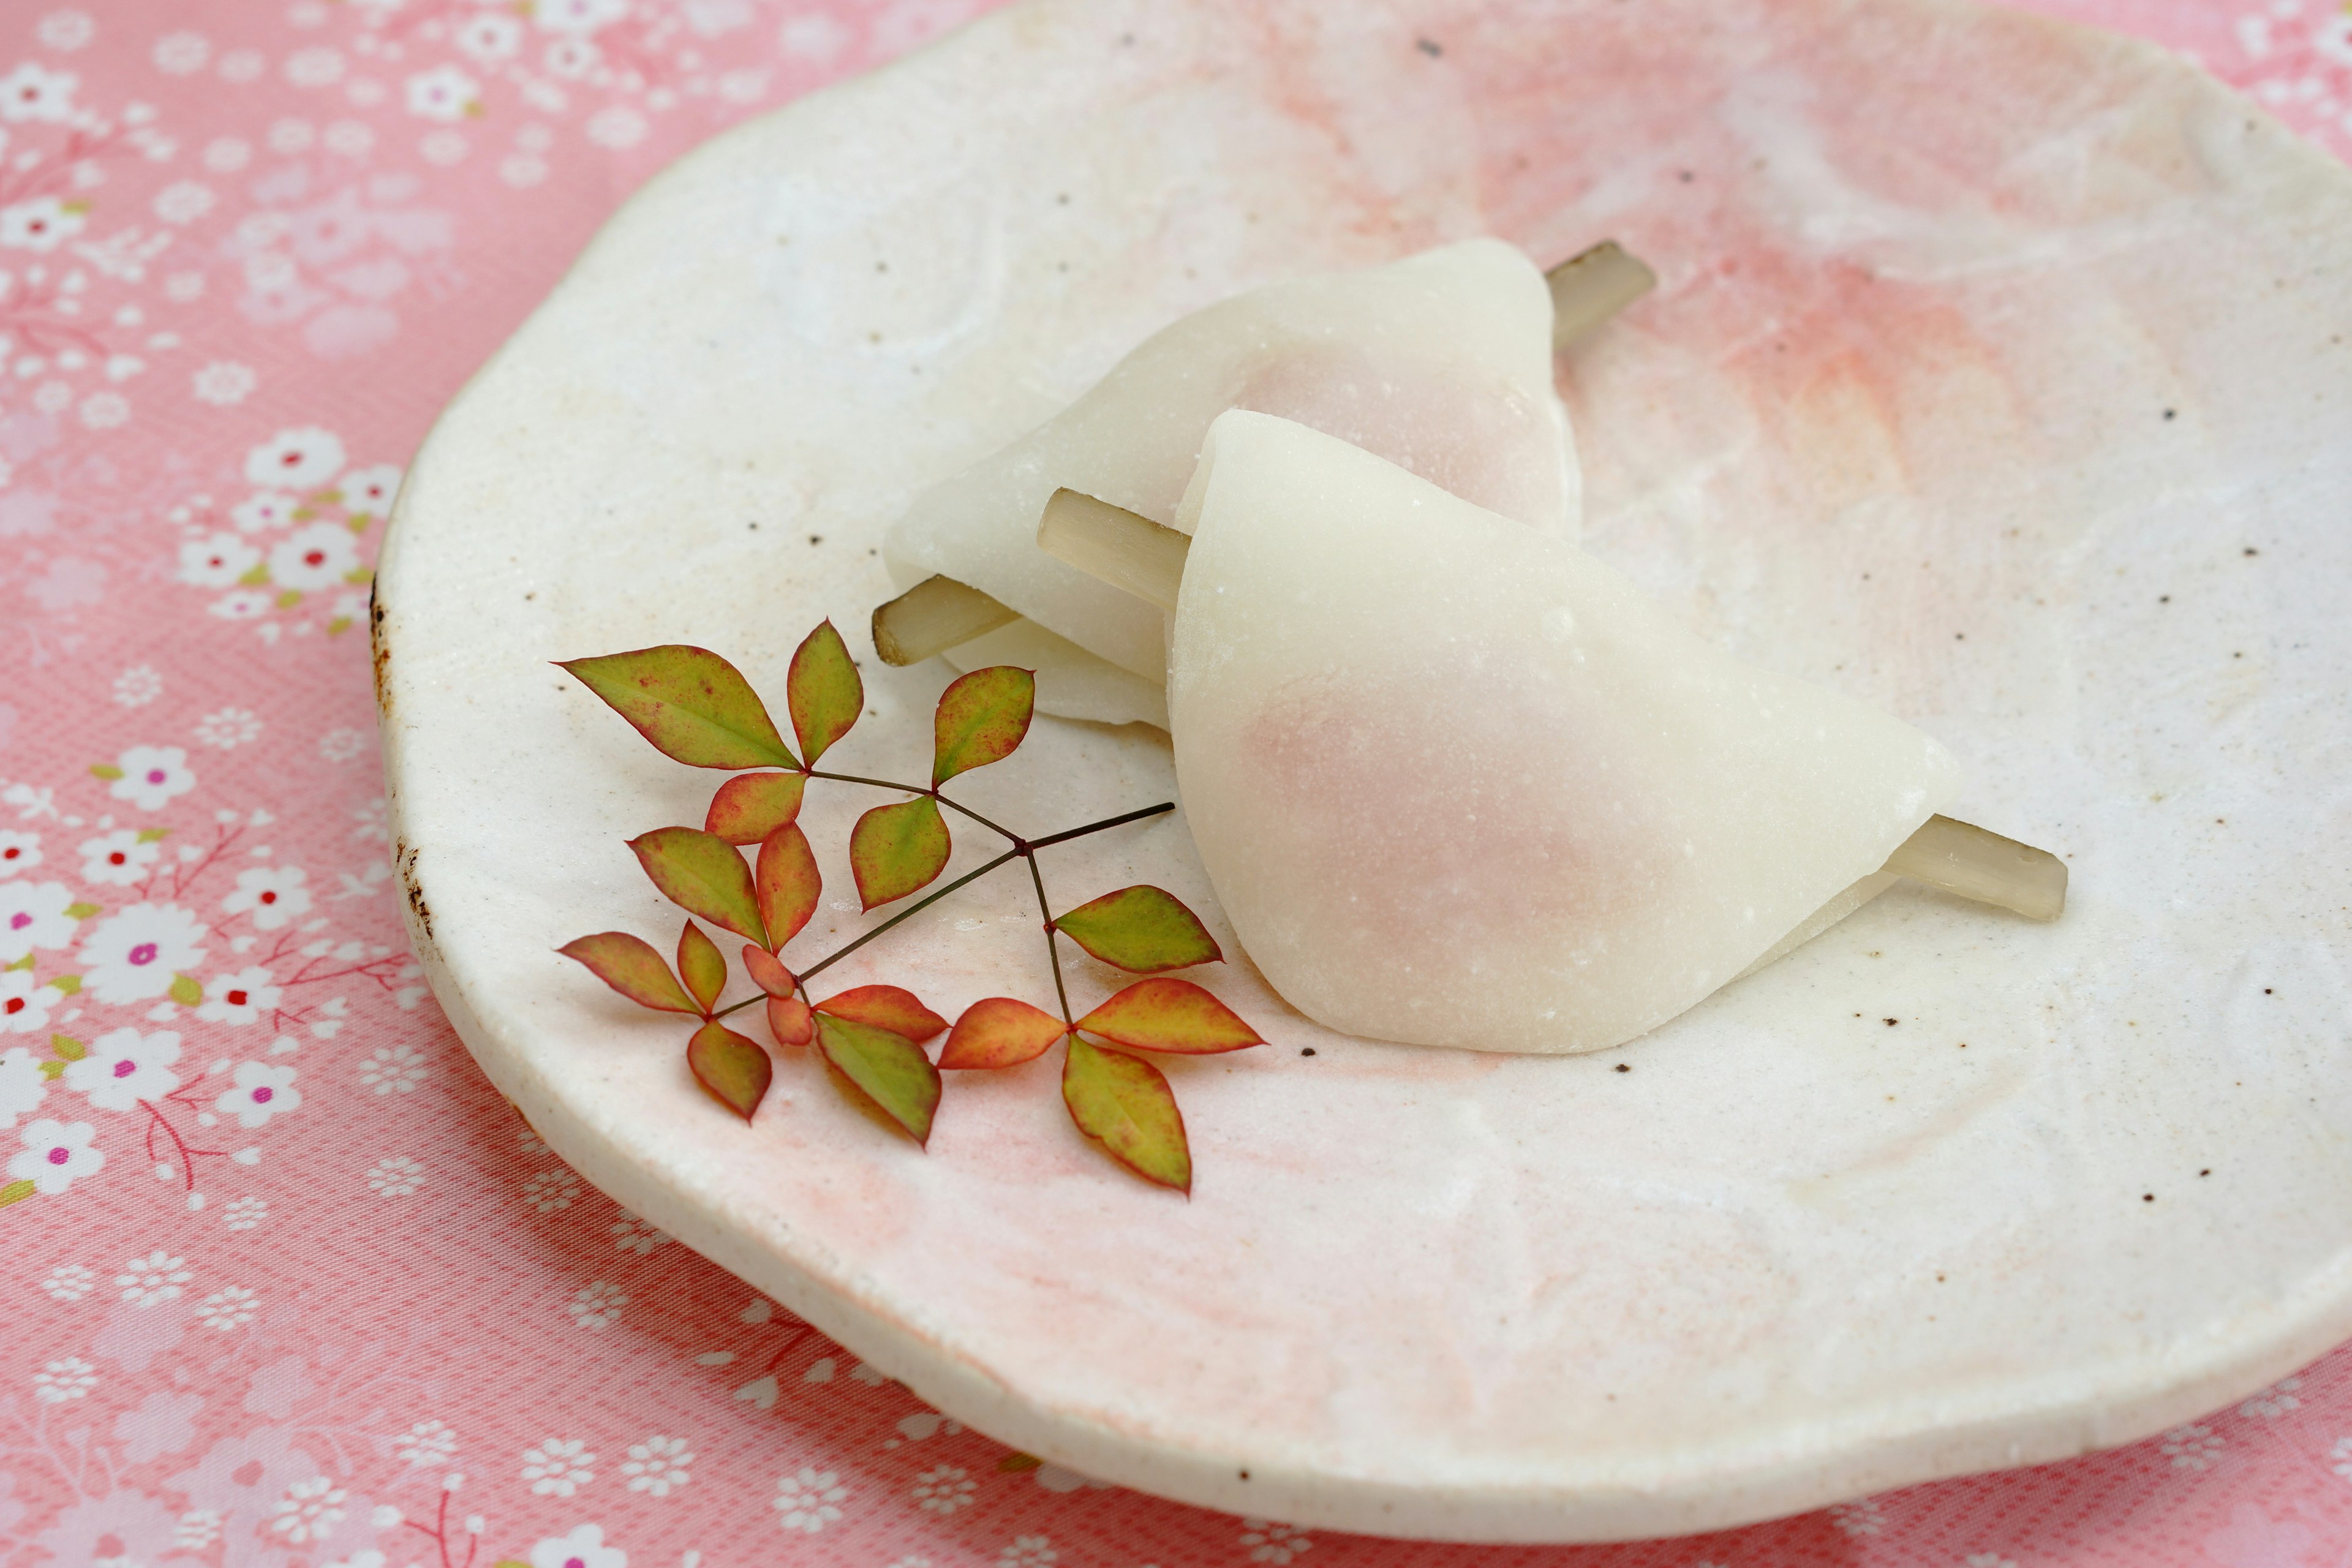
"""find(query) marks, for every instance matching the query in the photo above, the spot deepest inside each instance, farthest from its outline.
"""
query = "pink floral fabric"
(285, 1283)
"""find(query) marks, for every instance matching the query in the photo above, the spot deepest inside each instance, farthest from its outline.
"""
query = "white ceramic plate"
(1997, 378)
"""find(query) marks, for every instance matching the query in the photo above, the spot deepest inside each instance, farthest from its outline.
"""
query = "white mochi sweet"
(1441, 362)
(1457, 782)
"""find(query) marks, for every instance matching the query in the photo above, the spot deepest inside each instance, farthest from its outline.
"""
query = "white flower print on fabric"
(59, 1381)
(25, 1008)
(580, 18)
(371, 1558)
(71, 1281)
(809, 1500)
(120, 858)
(583, 1547)
(552, 1190)
(227, 1308)
(152, 776)
(240, 998)
(265, 511)
(228, 727)
(56, 1155)
(308, 1511)
(273, 894)
(23, 1085)
(571, 58)
(216, 562)
(368, 492)
(944, 1489)
(2342, 1455)
(426, 1445)
(1989, 1559)
(198, 1528)
(19, 852)
(156, 1278)
(488, 37)
(443, 93)
(308, 458)
(223, 383)
(314, 557)
(1863, 1518)
(340, 745)
(138, 686)
(28, 93)
(124, 1067)
(41, 223)
(1029, 1552)
(66, 31)
(631, 1233)
(132, 956)
(597, 1306)
(181, 54)
(558, 1466)
(658, 1464)
(244, 1214)
(260, 1092)
(33, 914)
(2273, 1402)
(1269, 1542)
(395, 1176)
(2192, 1448)
(245, 605)
(183, 202)
(394, 1069)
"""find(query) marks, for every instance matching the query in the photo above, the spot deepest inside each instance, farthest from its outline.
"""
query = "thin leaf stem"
(1119, 821)
(1053, 943)
(933, 790)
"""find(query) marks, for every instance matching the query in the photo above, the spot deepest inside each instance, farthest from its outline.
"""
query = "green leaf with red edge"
(1142, 930)
(632, 966)
(690, 703)
(824, 691)
(767, 973)
(888, 1008)
(750, 807)
(981, 718)
(702, 966)
(895, 850)
(789, 1020)
(999, 1032)
(1124, 1103)
(1172, 1015)
(788, 884)
(702, 874)
(732, 1066)
(889, 1068)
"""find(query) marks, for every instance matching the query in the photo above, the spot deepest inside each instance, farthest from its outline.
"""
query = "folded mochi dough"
(1459, 784)
(1441, 362)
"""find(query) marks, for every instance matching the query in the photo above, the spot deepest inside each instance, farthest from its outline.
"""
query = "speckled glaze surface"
(1996, 378)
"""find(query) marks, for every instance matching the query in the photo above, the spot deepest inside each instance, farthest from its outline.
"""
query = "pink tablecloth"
(283, 1281)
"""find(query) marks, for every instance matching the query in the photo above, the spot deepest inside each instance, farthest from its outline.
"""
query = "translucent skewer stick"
(1975, 863)
(1593, 286)
(1135, 553)
(933, 617)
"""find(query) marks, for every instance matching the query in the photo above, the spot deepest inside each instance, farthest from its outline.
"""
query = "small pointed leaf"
(1125, 1104)
(1015, 1464)
(886, 1007)
(890, 1069)
(732, 1066)
(186, 990)
(81, 911)
(67, 1048)
(690, 703)
(767, 973)
(896, 849)
(1141, 930)
(632, 966)
(702, 966)
(788, 883)
(788, 1020)
(17, 1192)
(824, 691)
(999, 1032)
(981, 718)
(750, 807)
(1172, 1015)
(67, 984)
(702, 874)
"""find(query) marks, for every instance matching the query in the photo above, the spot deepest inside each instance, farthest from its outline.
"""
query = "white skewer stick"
(1135, 553)
(939, 613)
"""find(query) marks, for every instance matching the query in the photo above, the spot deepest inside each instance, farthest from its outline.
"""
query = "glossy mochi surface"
(1997, 380)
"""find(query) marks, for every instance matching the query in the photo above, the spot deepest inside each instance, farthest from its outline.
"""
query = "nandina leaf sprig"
(697, 709)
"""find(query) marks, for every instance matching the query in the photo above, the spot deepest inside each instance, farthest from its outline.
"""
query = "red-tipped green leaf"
(981, 718)
(732, 1066)
(767, 973)
(788, 1020)
(634, 967)
(702, 874)
(1172, 1015)
(824, 691)
(1124, 1104)
(889, 1068)
(1141, 930)
(750, 807)
(999, 1032)
(885, 1008)
(701, 966)
(690, 703)
(896, 849)
(788, 884)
